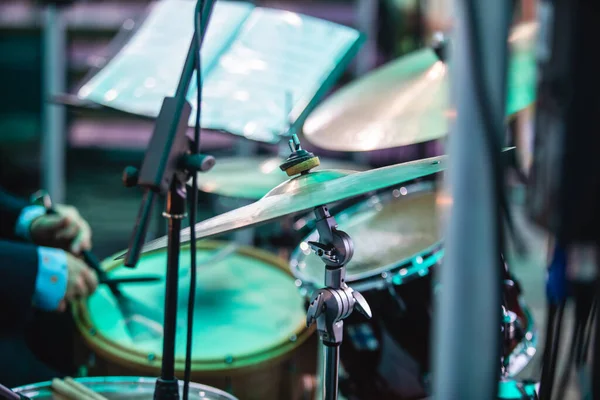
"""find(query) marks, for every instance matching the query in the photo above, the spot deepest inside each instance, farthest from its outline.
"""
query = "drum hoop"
(122, 380)
(375, 278)
(126, 356)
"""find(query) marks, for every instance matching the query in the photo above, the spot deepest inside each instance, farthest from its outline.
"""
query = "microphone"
(564, 188)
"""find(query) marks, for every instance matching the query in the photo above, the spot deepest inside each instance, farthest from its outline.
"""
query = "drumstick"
(130, 279)
(67, 391)
(74, 390)
(84, 389)
(43, 198)
(216, 256)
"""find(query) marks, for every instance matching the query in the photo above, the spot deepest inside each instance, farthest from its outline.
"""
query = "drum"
(397, 247)
(249, 322)
(125, 388)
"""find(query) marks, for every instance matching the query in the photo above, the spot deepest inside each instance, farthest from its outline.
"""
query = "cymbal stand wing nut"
(329, 307)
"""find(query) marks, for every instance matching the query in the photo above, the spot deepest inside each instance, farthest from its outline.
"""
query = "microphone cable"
(198, 37)
(556, 293)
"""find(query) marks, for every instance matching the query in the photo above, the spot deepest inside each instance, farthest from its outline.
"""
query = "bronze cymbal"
(406, 101)
(305, 192)
(253, 177)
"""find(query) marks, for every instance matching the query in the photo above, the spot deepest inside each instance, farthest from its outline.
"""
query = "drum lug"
(82, 371)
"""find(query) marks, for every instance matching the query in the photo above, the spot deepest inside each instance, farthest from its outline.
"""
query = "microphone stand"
(166, 168)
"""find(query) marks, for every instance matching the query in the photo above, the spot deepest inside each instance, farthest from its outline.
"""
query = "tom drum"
(249, 321)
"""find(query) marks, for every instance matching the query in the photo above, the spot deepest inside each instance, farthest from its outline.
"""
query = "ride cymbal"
(406, 101)
(253, 177)
(305, 192)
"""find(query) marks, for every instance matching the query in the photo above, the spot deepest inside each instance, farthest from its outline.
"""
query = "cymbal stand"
(336, 301)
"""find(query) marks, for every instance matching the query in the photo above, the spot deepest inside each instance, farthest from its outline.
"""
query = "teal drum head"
(247, 311)
(122, 388)
(395, 237)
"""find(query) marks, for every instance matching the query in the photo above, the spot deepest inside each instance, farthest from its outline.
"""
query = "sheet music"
(254, 62)
(148, 68)
(276, 54)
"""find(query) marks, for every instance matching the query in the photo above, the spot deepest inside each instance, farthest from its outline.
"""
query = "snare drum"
(249, 321)
(122, 388)
(397, 246)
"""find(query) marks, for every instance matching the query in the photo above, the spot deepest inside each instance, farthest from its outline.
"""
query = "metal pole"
(467, 317)
(53, 141)
(245, 149)
(332, 362)
(320, 384)
(366, 60)
(174, 212)
(366, 22)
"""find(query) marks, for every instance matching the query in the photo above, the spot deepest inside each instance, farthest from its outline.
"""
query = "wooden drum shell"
(274, 374)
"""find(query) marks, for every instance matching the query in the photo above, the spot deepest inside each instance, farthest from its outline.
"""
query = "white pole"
(467, 316)
(366, 60)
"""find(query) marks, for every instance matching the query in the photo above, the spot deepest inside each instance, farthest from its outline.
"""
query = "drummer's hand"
(66, 230)
(82, 281)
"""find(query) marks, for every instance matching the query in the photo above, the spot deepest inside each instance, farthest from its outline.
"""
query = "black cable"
(589, 331)
(555, 348)
(596, 354)
(585, 305)
(576, 344)
(550, 318)
(551, 348)
(198, 24)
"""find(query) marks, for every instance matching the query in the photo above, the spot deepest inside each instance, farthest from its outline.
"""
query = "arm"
(66, 229)
(41, 276)
(10, 210)
(31, 275)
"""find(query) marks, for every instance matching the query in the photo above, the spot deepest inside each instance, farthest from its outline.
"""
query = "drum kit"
(255, 313)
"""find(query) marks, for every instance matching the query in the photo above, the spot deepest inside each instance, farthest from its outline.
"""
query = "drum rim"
(373, 278)
(126, 380)
(139, 360)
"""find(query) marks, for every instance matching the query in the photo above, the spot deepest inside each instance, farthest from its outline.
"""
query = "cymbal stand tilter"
(336, 301)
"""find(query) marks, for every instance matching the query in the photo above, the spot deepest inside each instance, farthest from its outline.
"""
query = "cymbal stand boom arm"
(331, 305)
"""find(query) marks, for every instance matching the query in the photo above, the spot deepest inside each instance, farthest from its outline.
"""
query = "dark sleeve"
(18, 272)
(10, 208)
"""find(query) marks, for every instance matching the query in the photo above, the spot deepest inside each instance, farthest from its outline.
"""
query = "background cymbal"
(406, 101)
(305, 192)
(253, 177)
